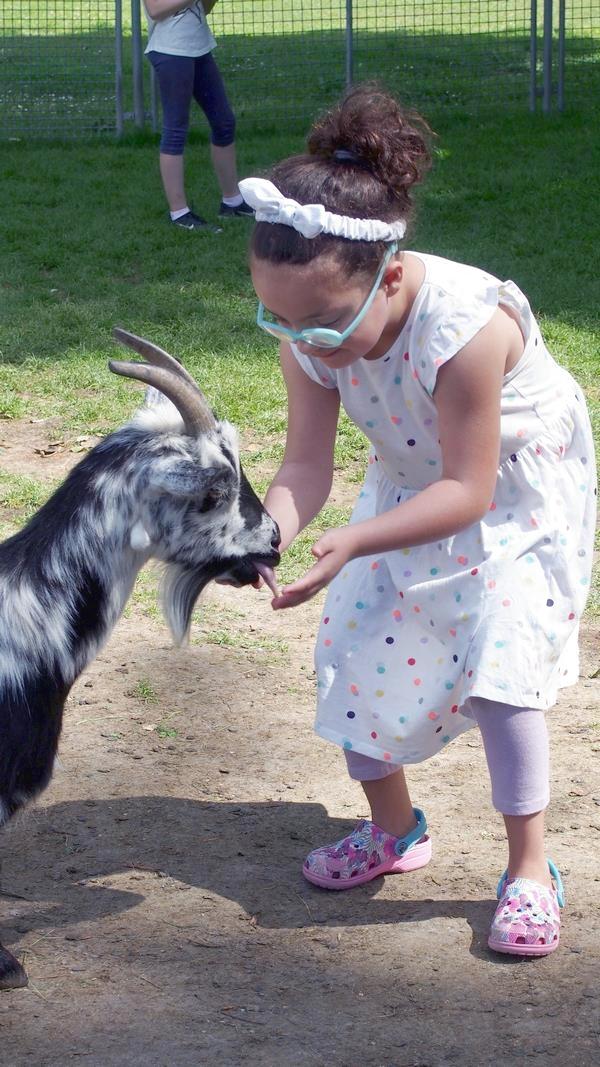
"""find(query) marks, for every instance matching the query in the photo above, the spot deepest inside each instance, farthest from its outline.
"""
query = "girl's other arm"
(467, 398)
(162, 9)
(303, 482)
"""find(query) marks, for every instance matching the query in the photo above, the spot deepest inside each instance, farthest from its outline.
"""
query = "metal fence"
(57, 68)
(75, 68)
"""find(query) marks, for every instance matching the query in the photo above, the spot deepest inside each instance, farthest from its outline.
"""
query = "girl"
(180, 47)
(456, 589)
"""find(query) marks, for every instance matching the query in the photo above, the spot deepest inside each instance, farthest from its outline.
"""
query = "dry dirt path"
(157, 898)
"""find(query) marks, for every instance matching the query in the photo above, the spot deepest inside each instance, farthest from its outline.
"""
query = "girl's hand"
(333, 550)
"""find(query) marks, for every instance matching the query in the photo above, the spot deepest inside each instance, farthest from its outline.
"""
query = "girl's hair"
(363, 158)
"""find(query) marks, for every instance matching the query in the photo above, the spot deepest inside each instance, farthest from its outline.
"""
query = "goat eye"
(209, 502)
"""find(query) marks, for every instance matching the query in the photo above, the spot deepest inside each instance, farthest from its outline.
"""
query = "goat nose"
(275, 538)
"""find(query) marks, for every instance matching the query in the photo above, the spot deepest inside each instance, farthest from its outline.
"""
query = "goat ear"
(188, 480)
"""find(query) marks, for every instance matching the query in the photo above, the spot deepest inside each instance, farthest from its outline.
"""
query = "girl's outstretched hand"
(333, 550)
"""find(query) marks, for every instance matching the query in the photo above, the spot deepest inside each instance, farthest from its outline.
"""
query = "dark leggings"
(180, 78)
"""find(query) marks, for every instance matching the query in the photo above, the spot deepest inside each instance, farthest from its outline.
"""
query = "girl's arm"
(162, 9)
(467, 398)
(303, 482)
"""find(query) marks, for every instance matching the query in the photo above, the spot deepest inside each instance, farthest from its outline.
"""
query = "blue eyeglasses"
(321, 336)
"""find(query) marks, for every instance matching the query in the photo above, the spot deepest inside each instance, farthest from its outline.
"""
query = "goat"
(167, 485)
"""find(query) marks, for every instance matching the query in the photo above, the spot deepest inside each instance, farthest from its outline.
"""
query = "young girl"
(456, 589)
(180, 47)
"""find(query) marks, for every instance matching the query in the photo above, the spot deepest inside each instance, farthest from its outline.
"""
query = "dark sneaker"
(243, 211)
(191, 221)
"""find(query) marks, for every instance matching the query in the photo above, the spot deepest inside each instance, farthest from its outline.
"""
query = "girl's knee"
(223, 130)
(172, 142)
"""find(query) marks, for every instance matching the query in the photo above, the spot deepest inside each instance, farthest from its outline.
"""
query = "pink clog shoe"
(367, 853)
(527, 919)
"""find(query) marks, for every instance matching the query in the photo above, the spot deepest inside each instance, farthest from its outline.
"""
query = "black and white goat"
(167, 485)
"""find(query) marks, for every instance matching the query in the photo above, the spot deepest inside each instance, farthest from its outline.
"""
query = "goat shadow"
(249, 853)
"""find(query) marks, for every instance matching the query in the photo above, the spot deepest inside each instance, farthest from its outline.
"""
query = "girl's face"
(317, 295)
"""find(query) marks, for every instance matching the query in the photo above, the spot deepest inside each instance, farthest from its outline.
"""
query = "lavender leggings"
(516, 748)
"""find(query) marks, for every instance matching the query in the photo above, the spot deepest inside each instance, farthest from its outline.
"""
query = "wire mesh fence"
(582, 50)
(57, 67)
(74, 67)
(467, 53)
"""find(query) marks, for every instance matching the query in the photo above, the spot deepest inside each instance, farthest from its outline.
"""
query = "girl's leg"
(171, 173)
(386, 791)
(210, 94)
(517, 752)
(368, 852)
(225, 167)
(175, 76)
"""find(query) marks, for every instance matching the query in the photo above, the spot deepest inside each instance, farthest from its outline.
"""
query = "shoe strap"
(404, 843)
(554, 874)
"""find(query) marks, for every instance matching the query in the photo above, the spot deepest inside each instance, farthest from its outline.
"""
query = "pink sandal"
(367, 853)
(527, 919)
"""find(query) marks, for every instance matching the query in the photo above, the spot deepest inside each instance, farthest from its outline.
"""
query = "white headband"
(312, 219)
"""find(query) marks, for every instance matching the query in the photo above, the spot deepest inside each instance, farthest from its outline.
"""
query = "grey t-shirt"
(184, 33)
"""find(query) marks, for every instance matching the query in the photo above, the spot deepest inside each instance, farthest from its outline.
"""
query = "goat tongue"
(268, 575)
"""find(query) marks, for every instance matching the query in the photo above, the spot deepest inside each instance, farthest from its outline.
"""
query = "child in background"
(456, 589)
(180, 47)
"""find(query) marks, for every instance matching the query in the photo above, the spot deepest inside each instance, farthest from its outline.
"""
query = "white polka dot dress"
(407, 637)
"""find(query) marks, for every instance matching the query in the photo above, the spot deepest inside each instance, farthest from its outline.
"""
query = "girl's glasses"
(322, 336)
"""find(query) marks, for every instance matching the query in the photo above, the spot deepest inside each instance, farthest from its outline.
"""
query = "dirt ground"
(155, 892)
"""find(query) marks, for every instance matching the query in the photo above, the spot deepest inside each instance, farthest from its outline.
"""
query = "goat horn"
(158, 357)
(197, 417)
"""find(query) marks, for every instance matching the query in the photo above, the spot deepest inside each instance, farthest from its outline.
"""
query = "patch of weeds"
(144, 690)
(7, 530)
(210, 613)
(270, 455)
(298, 557)
(592, 610)
(230, 639)
(145, 596)
(17, 491)
(11, 406)
(166, 731)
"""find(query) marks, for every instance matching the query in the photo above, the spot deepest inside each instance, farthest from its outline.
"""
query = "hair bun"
(370, 129)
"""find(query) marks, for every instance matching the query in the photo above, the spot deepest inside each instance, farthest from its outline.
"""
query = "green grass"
(86, 246)
(23, 494)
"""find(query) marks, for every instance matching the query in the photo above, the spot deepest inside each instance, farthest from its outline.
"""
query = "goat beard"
(180, 588)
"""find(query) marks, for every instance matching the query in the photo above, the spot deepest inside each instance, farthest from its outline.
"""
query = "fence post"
(533, 57)
(119, 67)
(561, 55)
(547, 94)
(349, 45)
(137, 65)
